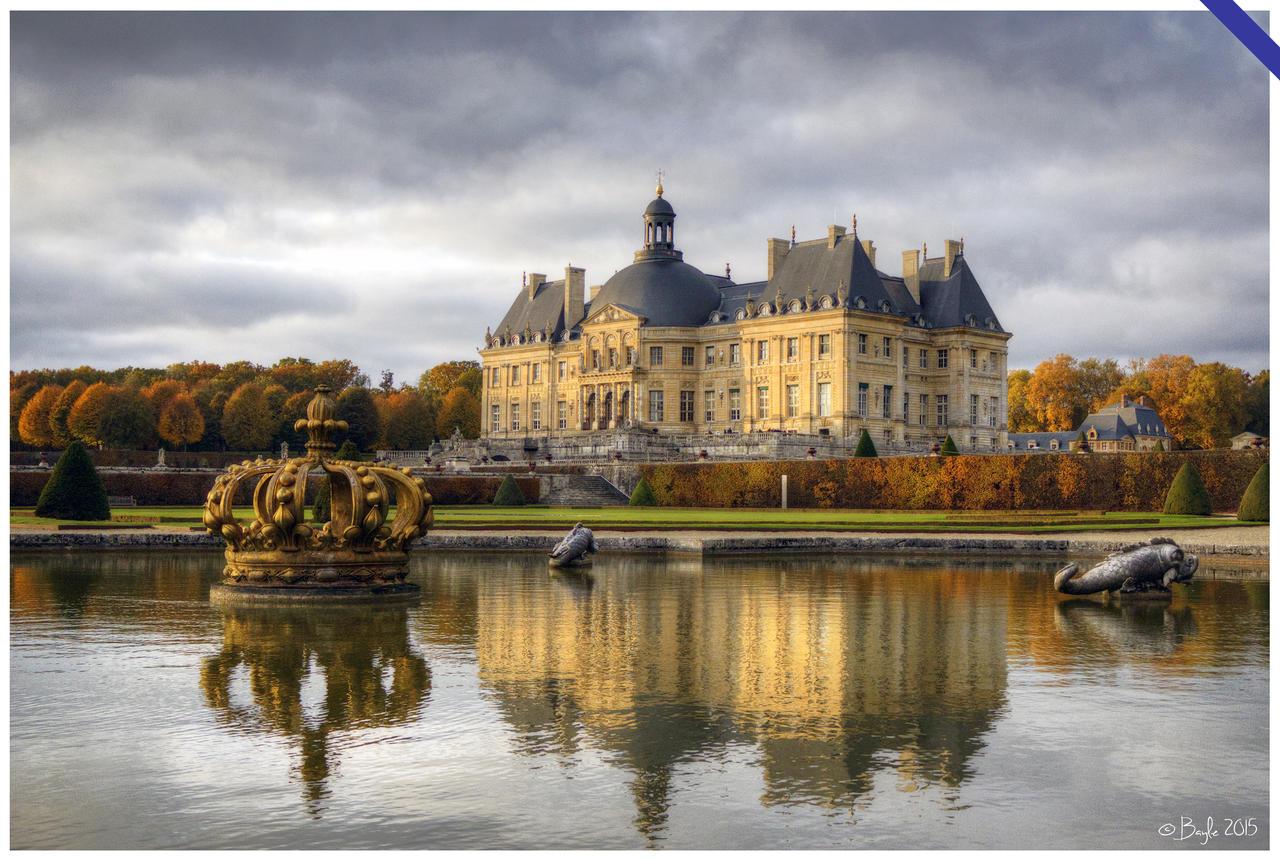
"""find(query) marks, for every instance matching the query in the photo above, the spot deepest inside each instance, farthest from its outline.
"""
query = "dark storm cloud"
(190, 170)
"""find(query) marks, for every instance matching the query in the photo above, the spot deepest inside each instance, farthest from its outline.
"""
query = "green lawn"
(484, 517)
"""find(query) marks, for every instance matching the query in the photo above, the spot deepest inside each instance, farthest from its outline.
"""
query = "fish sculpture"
(1139, 569)
(573, 549)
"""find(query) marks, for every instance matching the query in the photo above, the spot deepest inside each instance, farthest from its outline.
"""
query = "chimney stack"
(954, 249)
(834, 232)
(911, 273)
(536, 280)
(778, 249)
(869, 247)
(575, 280)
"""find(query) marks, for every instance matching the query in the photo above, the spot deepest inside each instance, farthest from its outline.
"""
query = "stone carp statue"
(1142, 568)
(573, 549)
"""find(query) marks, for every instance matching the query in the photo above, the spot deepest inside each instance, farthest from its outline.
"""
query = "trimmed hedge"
(1130, 481)
(74, 491)
(1256, 504)
(1187, 494)
(508, 493)
(191, 488)
(642, 495)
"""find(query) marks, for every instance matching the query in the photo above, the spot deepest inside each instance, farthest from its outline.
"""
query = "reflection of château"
(371, 675)
(826, 673)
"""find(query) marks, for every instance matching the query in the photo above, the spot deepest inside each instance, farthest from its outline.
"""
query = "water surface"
(806, 701)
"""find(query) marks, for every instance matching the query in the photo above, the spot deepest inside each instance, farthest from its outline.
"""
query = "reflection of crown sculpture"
(356, 553)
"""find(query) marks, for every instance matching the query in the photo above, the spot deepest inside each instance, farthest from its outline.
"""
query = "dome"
(659, 207)
(668, 292)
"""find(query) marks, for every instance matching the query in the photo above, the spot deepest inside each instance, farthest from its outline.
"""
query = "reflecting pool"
(807, 701)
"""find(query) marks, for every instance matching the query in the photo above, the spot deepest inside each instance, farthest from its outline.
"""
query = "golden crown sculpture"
(356, 553)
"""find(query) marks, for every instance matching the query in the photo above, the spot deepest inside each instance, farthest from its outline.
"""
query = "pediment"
(612, 313)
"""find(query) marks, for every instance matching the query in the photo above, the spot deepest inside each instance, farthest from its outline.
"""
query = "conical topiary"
(948, 447)
(320, 511)
(1187, 494)
(509, 493)
(643, 495)
(74, 490)
(1255, 505)
(1159, 446)
(1081, 444)
(866, 448)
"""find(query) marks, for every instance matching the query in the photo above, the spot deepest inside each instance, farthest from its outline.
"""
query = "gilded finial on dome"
(659, 189)
(855, 224)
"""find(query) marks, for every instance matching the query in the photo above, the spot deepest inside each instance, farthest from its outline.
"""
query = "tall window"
(942, 358)
(793, 349)
(631, 356)
(495, 421)
(862, 399)
(494, 377)
(537, 371)
(993, 417)
(762, 402)
(973, 407)
(515, 377)
(924, 358)
(515, 417)
(862, 344)
(762, 351)
(735, 405)
(992, 359)
(824, 399)
(887, 344)
(793, 401)
(655, 405)
(906, 356)
(709, 405)
(735, 354)
(686, 356)
(973, 358)
(655, 356)
(535, 415)
(886, 403)
(710, 358)
(924, 409)
(906, 404)
(686, 406)
(824, 346)
(942, 411)
(562, 414)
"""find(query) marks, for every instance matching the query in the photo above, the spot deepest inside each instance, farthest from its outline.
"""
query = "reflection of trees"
(835, 670)
(371, 677)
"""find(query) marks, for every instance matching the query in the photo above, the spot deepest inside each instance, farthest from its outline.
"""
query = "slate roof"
(667, 291)
(1113, 422)
(957, 300)
(1021, 442)
(546, 308)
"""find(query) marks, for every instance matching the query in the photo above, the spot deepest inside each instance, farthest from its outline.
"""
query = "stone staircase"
(585, 490)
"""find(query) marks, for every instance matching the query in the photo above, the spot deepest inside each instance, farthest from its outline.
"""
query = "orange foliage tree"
(33, 425)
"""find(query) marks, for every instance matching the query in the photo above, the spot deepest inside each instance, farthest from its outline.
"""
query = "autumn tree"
(408, 422)
(180, 421)
(355, 406)
(1020, 418)
(1215, 404)
(337, 374)
(61, 412)
(126, 420)
(1258, 404)
(445, 376)
(33, 425)
(247, 422)
(83, 420)
(472, 379)
(1096, 380)
(294, 408)
(459, 410)
(1168, 378)
(1053, 396)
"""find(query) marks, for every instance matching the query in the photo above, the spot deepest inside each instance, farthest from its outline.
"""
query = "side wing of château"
(826, 345)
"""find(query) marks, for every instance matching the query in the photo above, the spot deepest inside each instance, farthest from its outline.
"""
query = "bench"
(122, 502)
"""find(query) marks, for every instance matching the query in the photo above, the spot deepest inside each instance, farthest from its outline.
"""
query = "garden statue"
(573, 549)
(355, 553)
(1140, 570)
(160, 458)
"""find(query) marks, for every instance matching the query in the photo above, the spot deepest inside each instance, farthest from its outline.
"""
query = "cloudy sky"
(371, 186)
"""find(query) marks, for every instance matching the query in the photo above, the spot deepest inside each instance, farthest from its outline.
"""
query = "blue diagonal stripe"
(1247, 31)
